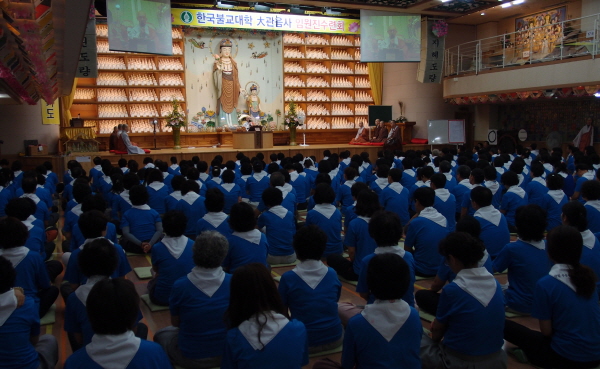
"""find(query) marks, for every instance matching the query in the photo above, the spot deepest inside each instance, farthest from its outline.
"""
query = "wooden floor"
(158, 320)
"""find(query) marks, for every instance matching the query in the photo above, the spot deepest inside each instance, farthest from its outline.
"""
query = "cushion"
(126, 153)
(367, 143)
(419, 141)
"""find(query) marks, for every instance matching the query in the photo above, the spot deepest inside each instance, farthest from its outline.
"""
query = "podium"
(252, 140)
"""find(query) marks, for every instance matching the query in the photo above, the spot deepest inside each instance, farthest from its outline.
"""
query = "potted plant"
(292, 120)
(176, 120)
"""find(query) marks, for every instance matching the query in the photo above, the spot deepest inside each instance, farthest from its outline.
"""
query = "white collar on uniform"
(442, 193)
(28, 223)
(387, 316)
(8, 304)
(395, 249)
(294, 175)
(32, 196)
(271, 324)
(15, 254)
(175, 245)
(540, 245)
(88, 240)
(258, 176)
(350, 183)
(284, 191)
(521, 178)
(410, 172)
(539, 180)
(113, 351)
(279, 210)
(98, 167)
(217, 180)
(156, 185)
(557, 195)
(207, 280)
(311, 271)
(589, 176)
(203, 176)
(517, 191)
(326, 210)
(548, 167)
(165, 174)
(561, 272)
(176, 195)
(489, 213)
(83, 291)
(215, 219)
(288, 187)
(500, 170)
(77, 210)
(492, 185)
(141, 207)
(589, 240)
(190, 197)
(227, 186)
(396, 187)
(174, 166)
(466, 183)
(482, 261)
(382, 182)
(433, 215)
(107, 179)
(448, 176)
(125, 196)
(563, 174)
(366, 219)
(477, 282)
(252, 236)
(593, 203)
(150, 166)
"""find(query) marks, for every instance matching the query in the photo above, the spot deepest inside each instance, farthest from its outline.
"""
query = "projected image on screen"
(140, 26)
(389, 37)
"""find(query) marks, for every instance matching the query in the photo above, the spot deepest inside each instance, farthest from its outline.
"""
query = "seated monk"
(382, 133)
(362, 136)
(124, 144)
(394, 139)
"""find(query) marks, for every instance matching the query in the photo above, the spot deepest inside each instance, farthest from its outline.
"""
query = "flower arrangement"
(265, 119)
(292, 119)
(439, 28)
(176, 118)
(401, 118)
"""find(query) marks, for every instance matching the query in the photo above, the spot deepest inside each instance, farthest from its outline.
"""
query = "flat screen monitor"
(389, 37)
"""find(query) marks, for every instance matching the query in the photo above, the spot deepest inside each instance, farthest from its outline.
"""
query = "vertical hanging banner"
(50, 112)
(432, 51)
(88, 65)
(140, 26)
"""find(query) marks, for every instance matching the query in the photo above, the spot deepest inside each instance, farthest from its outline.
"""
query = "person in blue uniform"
(141, 225)
(583, 174)
(42, 212)
(167, 177)
(157, 190)
(121, 202)
(381, 179)
(476, 179)
(349, 212)
(357, 238)
(327, 217)
(446, 170)
(554, 200)
(203, 292)
(22, 346)
(445, 202)
(215, 219)
(192, 205)
(470, 315)
(490, 182)
(80, 192)
(32, 275)
(424, 232)
(256, 184)
(113, 307)
(494, 227)
(278, 181)
(174, 197)
(343, 194)
(22, 209)
(231, 190)
(96, 173)
(171, 258)
(428, 300)
(514, 196)
(279, 225)
(462, 188)
(526, 259)
(51, 176)
(536, 189)
(566, 305)
(311, 291)
(43, 194)
(246, 244)
(301, 183)
(574, 214)
(174, 167)
(409, 176)
(261, 335)
(590, 191)
(395, 197)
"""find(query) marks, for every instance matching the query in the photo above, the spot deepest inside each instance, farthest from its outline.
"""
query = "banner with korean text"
(432, 55)
(263, 21)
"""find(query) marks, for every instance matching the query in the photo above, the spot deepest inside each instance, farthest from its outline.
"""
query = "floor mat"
(143, 272)
(347, 281)
(50, 317)
(285, 265)
(151, 305)
(426, 316)
(328, 352)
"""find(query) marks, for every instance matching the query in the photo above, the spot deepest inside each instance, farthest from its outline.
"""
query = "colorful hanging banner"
(88, 66)
(432, 54)
(50, 112)
(263, 21)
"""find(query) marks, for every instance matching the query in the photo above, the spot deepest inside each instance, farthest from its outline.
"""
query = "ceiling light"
(482, 14)
(445, 1)
(597, 94)
(332, 11)
(262, 7)
(517, 2)
(295, 9)
(225, 4)
(506, 5)
(4, 96)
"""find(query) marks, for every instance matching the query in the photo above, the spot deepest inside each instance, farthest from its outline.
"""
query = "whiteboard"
(456, 131)
(437, 132)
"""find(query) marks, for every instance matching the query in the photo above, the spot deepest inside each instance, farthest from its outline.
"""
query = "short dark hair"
(113, 306)
(92, 223)
(590, 190)
(357, 188)
(14, 233)
(427, 171)
(555, 181)
(463, 171)
(438, 180)
(469, 225)
(324, 194)
(8, 275)
(385, 228)
(214, 201)
(177, 182)
(531, 222)
(154, 175)
(272, 196)
(29, 184)
(228, 176)
(490, 173)
(367, 203)
(395, 174)
(174, 223)
(310, 243)
(277, 179)
(445, 166)
(98, 257)
(478, 175)
(464, 247)
(383, 171)
(388, 276)
(425, 196)
(576, 215)
(138, 195)
(509, 179)
(20, 208)
(350, 173)
(190, 186)
(81, 191)
(323, 178)
(210, 249)
(241, 217)
(537, 169)
(94, 202)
